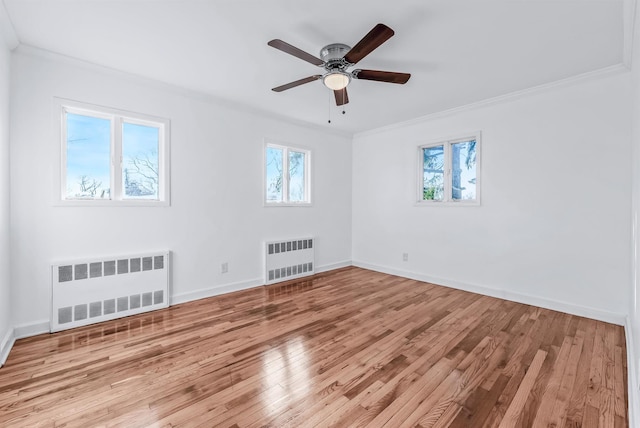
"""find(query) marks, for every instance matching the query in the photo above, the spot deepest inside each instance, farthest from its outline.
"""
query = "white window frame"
(117, 119)
(447, 143)
(285, 179)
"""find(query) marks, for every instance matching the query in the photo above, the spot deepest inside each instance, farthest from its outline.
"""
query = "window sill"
(287, 204)
(110, 203)
(446, 204)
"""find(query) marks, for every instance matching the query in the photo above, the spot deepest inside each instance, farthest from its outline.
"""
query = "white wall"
(6, 328)
(554, 225)
(634, 301)
(216, 214)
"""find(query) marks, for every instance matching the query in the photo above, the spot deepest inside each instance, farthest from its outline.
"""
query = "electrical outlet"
(224, 267)
(405, 257)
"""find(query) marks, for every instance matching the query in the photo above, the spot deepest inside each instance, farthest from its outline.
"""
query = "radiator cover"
(289, 259)
(94, 290)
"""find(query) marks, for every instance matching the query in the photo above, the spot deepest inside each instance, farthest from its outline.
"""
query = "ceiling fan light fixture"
(336, 80)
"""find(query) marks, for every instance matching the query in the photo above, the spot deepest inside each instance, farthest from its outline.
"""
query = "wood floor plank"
(620, 386)
(517, 404)
(558, 414)
(531, 409)
(349, 347)
(581, 384)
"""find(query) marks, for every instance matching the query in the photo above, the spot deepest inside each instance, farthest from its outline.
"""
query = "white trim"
(204, 293)
(527, 299)
(334, 266)
(6, 27)
(510, 97)
(633, 387)
(31, 329)
(629, 23)
(6, 345)
(287, 204)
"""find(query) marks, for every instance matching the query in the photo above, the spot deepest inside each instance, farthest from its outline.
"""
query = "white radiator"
(90, 291)
(290, 259)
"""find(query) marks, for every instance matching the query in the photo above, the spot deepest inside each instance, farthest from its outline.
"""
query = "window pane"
(88, 157)
(433, 173)
(296, 177)
(274, 174)
(140, 177)
(463, 172)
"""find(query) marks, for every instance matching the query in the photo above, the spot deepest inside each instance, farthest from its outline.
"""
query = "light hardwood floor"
(349, 347)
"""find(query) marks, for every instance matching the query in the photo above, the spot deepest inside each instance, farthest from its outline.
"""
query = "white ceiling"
(457, 51)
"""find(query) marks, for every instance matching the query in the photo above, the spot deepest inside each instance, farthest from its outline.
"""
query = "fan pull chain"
(329, 121)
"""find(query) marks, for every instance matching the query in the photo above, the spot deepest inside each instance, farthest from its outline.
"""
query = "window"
(449, 171)
(286, 175)
(111, 157)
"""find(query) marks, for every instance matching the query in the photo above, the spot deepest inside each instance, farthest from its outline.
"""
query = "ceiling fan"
(337, 58)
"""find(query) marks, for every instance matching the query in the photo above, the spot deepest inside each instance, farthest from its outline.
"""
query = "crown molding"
(6, 28)
(629, 18)
(510, 97)
(32, 51)
(629, 23)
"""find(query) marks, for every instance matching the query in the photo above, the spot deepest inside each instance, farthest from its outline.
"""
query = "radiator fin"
(65, 273)
(109, 306)
(95, 270)
(158, 262)
(134, 301)
(147, 299)
(158, 297)
(80, 312)
(123, 304)
(109, 268)
(95, 309)
(123, 266)
(80, 271)
(65, 315)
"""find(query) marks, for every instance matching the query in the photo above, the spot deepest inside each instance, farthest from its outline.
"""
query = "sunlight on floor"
(286, 377)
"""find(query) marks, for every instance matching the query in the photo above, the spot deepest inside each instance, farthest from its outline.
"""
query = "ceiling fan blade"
(381, 76)
(377, 36)
(292, 50)
(296, 83)
(342, 97)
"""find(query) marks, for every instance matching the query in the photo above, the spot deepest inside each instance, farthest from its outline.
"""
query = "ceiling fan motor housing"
(333, 56)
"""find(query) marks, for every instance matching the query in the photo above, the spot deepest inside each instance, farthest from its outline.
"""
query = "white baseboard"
(33, 329)
(203, 293)
(633, 384)
(570, 308)
(6, 345)
(333, 266)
